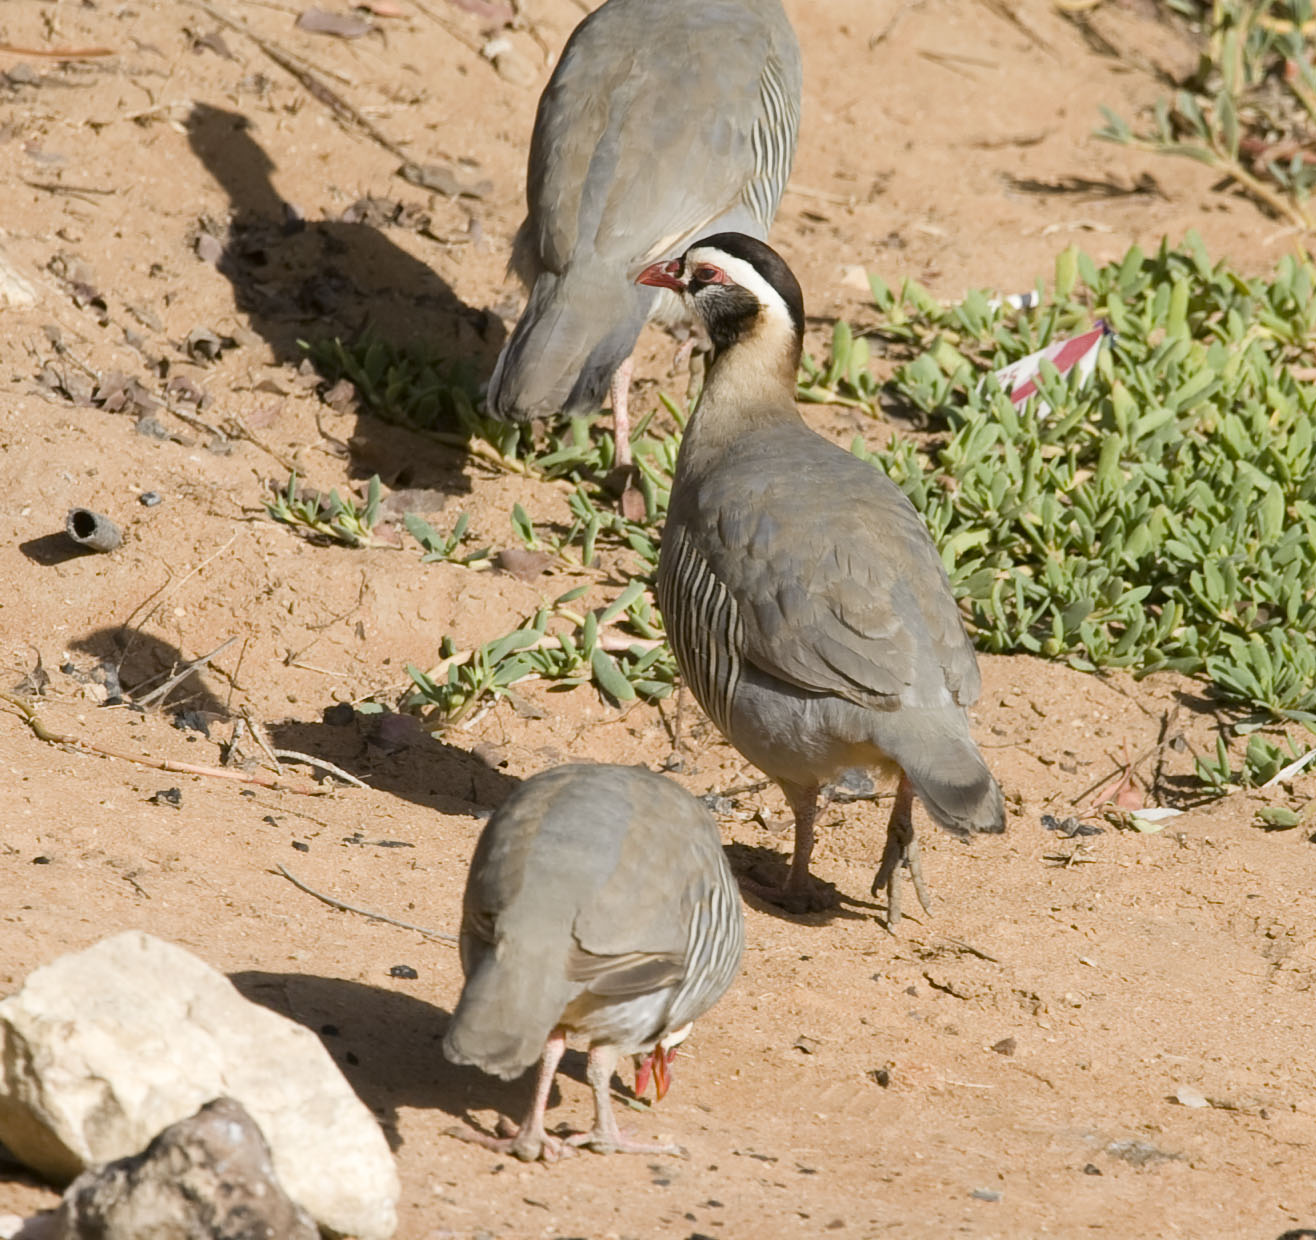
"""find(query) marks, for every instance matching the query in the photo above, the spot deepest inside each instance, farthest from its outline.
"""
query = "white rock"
(101, 1050)
(15, 289)
(1187, 1096)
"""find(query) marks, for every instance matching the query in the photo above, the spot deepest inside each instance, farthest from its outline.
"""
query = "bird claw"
(895, 857)
(616, 1143)
(528, 1147)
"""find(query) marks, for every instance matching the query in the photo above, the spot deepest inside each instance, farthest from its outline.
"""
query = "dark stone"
(207, 1176)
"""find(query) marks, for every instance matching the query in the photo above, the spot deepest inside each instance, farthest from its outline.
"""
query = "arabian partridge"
(599, 903)
(804, 599)
(664, 119)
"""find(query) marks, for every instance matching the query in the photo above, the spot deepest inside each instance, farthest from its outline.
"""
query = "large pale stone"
(204, 1177)
(102, 1049)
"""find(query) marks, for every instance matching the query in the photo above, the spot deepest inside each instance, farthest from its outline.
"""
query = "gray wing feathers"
(664, 119)
(650, 129)
(852, 599)
(576, 330)
(583, 891)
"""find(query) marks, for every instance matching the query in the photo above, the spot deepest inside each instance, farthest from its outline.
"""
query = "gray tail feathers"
(578, 327)
(954, 784)
(506, 1012)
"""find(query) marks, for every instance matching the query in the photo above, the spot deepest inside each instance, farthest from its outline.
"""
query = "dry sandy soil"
(1008, 1067)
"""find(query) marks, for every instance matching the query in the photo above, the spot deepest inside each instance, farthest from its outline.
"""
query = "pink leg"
(606, 1137)
(621, 386)
(529, 1142)
(800, 894)
(901, 849)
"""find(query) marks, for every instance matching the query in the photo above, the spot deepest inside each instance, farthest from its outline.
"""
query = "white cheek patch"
(740, 272)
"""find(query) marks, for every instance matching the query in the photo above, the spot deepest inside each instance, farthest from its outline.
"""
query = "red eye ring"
(706, 273)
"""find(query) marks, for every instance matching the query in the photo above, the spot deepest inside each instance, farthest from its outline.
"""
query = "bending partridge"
(599, 903)
(804, 599)
(664, 119)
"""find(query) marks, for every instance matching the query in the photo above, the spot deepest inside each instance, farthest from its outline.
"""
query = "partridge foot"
(524, 1143)
(896, 855)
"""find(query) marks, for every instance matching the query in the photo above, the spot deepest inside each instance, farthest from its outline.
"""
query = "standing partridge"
(598, 903)
(664, 119)
(804, 599)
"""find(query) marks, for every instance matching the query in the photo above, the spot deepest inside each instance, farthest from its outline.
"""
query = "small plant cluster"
(1249, 110)
(580, 650)
(1161, 516)
(1263, 760)
(575, 655)
(330, 517)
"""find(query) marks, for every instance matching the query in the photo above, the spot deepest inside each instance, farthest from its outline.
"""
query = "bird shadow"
(131, 662)
(769, 867)
(393, 753)
(389, 1046)
(390, 752)
(300, 281)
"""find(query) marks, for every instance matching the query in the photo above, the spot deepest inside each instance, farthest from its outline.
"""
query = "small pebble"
(149, 499)
(404, 971)
(151, 427)
(301, 846)
(985, 1194)
(41, 860)
(856, 785)
(1091, 1169)
(167, 796)
(718, 804)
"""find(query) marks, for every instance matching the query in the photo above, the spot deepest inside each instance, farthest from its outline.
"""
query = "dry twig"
(156, 764)
(364, 912)
(58, 53)
(292, 755)
(196, 665)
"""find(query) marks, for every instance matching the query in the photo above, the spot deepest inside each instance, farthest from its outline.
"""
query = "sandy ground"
(1007, 1068)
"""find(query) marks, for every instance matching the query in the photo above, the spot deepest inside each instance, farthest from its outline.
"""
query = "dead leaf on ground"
(445, 179)
(522, 564)
(488, 10)
(212, 41)
(209, 250)
(339, 25)
(120, 393)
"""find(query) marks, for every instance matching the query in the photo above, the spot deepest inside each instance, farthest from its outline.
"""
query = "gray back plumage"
(822, 572)
(664, 120)
(598, 898)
